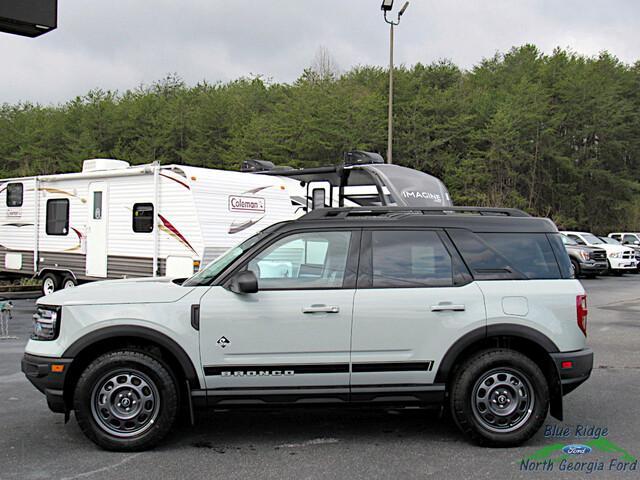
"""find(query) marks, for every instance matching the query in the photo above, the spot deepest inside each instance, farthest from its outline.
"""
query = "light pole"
(386, 7)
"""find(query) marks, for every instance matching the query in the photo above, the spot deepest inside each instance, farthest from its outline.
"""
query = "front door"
(291, 339)
(97, 229)
(408, 311)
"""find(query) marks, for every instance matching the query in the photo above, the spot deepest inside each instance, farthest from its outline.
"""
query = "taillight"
(581, 313)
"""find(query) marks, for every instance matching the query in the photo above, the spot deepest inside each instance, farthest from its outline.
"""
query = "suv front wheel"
(499, 397)
(126, 401)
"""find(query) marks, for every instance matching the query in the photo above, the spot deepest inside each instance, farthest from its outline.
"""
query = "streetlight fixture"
(386, 7)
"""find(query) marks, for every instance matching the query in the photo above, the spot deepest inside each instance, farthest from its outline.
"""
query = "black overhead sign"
(28, 17)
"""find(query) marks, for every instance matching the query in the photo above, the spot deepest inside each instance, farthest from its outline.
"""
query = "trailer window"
(57, 217)
(14, 194)
(143, 217)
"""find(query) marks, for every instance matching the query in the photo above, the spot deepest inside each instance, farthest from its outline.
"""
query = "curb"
(24, 295)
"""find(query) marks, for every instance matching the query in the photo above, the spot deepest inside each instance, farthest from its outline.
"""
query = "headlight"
(584, 255)
(615, 254)
(46, 323)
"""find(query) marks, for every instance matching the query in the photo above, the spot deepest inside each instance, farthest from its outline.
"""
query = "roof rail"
(333, 213)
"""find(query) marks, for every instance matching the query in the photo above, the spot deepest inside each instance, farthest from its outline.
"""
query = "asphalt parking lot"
(36, 444)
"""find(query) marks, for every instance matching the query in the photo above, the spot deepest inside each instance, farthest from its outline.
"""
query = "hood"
(612, 248)
(108, 292)
(584, 248)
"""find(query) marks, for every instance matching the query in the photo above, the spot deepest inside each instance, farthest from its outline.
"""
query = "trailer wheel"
(50, 283)
(68, 282)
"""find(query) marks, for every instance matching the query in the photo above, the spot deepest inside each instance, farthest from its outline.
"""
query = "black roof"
(476, 219)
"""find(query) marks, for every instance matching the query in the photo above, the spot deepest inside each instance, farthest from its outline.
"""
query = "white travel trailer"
(114, 221)
(100, 223)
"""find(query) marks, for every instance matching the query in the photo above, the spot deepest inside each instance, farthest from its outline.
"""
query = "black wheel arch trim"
(489, 331)
(144, 333)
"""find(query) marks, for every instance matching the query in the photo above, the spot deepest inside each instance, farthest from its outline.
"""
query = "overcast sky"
(119, 44)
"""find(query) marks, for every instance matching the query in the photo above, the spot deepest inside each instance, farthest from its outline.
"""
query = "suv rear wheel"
(126, 401)
(499, 397)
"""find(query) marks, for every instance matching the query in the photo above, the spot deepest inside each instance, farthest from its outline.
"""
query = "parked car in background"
(629, 239)
(620, 258)
(587, 261)
(626, 238)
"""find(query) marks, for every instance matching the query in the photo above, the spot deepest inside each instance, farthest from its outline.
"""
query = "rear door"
(414, 299)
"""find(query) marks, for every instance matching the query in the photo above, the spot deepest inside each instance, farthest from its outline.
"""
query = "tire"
(68, 282)
(50, 283)
(473, 399)
(151, 396)
(576, 268)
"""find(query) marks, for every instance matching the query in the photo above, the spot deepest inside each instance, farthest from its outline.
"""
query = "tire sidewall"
(157, 372)
(463, 388)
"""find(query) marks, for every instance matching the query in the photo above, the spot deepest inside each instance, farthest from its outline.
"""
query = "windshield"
(568, 241)
(611, 241)
(591, 239)
(210, 272)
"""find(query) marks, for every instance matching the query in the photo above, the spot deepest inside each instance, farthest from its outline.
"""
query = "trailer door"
(97, 227)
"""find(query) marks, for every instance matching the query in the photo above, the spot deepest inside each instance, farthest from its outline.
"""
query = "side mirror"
(244, 282)
(636, 242)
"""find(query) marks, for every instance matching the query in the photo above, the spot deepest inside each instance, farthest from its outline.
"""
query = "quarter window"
(57, 222)
(313, 260)
(143, 217)
(15, 193)
(404, 259)
(494, 256)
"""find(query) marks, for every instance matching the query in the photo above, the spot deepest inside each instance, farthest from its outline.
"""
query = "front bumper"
(40, 372)
(592, 266)
(581, 364)
(622, 263)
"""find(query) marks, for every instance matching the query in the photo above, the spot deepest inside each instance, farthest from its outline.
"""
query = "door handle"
(321, 309)
(447, 307)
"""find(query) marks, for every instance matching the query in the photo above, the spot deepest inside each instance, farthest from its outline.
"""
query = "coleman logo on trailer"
(425, 195)
(239, 203)
(257, 373)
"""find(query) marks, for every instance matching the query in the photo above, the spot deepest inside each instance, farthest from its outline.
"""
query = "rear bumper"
(579, 370)
(39, 372)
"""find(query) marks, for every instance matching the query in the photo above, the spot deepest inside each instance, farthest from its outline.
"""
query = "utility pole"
(387, 5)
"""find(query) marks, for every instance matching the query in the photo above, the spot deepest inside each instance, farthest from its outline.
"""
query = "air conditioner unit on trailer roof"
(101, 164)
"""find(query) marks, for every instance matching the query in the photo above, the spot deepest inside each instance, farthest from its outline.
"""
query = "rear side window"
(14, 194)
(57, 221)
(143, 217)
(411, 258)
(498, 256)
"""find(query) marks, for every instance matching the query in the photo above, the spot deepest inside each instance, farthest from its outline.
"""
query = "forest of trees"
(556, 135)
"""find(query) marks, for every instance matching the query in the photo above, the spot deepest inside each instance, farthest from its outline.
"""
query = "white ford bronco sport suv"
(472, 308)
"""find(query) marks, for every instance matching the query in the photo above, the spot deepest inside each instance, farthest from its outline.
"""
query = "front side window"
(413, 258)
(143, 217)
(312, 260)
(57, 222)
(577, 239)
(14, 194)
(629, 239)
